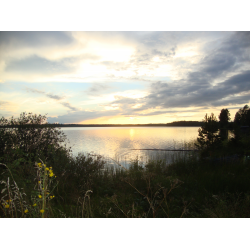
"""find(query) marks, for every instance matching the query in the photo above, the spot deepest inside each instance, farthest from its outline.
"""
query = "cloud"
(34, 90)
(68, 105)
(174, 69)
(34, 38)
(36, 64)
(219, 79)
(80, 116)
(97, 89)
(55, 97)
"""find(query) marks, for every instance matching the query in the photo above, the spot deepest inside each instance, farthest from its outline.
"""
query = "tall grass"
(165, 185)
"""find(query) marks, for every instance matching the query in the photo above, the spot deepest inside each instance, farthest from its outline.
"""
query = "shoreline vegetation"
(172, 124)
(39, 177)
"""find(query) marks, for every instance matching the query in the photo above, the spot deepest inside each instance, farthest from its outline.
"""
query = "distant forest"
(171, 124)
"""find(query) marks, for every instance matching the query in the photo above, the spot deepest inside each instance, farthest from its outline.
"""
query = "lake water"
(116, 143)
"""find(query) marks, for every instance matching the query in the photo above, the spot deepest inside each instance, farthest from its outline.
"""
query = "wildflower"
(42, 211)
(47, 169)
(40, 196)
(34, 205)
(39, 182)
(50, 167)
(39, 165)
(26, 211)
(7, 206)
(51, 175)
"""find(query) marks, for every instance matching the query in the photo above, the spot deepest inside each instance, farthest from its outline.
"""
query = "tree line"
(214, 134)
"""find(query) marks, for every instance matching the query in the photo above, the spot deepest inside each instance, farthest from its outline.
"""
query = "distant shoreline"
(173, 124)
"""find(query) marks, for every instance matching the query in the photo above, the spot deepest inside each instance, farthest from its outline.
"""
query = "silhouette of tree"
(224, 118)
(242, 117)
(208, 133)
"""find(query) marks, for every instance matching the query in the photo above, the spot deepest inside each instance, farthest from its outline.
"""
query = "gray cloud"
(55, 97)
(79, 116)
(68, 105)
(34, 38)
(36, 64)
(97, 89)
(199, 88)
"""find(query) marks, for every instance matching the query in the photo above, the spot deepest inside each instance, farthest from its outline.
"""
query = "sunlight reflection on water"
(116, 142)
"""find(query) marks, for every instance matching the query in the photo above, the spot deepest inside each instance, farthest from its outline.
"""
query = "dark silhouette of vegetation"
(213, 182)
(242, 117)
(208, 133)
(55, 125)
(224, 119)
(29, 135)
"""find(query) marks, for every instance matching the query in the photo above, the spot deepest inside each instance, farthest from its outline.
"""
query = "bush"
(30, 134)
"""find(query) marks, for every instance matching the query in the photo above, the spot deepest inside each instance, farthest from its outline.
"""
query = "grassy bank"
(189, 187)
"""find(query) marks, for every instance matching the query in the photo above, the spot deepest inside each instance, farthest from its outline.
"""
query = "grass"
(165, 185)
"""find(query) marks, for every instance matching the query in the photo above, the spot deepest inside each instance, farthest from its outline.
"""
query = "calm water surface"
(116, 142)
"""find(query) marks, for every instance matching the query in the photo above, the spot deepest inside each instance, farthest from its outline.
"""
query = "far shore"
(172, 124)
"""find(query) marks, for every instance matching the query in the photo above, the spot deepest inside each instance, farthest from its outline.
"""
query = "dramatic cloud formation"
(121, 77)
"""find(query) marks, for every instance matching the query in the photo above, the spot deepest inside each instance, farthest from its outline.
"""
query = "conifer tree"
(208, 133)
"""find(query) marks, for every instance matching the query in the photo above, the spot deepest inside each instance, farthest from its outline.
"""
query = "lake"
(117, 144)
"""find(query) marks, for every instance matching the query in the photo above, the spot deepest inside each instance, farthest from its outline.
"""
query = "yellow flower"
(42, 211)
(51, 175)
(44, 165)
(39, 165)
(34, 205)
(40, 196)
(47, 169)
(50, 167)
(26, 211)
(7, 206)
(39, 182)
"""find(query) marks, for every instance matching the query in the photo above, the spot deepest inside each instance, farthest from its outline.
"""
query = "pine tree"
(208, 133)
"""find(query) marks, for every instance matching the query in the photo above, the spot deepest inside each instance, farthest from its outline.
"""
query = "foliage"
(208, 133)
(191, 186)
(224, 118)
(242, 117)
(29, 134)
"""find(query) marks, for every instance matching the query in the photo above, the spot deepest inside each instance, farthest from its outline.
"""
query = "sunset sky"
(123, 77)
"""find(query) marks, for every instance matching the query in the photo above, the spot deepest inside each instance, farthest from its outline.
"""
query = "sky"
(125, 77)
